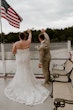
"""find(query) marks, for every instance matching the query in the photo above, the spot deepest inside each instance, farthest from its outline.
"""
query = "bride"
(24, 88)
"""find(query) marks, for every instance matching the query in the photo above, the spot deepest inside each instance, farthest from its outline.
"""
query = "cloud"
(42, 14)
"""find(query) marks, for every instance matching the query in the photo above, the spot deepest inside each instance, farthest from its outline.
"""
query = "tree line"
(56, 35)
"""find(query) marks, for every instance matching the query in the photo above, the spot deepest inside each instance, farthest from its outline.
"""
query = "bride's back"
(23, 56)
(22, 44)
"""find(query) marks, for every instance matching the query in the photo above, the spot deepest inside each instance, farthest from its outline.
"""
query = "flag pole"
(2, 46)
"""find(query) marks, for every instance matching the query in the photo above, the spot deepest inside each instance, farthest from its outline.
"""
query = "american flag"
(10, 15)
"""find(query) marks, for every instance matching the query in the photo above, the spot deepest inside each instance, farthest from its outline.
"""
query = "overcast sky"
(39, 14)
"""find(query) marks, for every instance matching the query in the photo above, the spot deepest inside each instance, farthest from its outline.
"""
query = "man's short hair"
(41, 36)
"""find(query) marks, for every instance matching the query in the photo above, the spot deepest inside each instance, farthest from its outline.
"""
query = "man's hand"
(40, 65)
(42, 30)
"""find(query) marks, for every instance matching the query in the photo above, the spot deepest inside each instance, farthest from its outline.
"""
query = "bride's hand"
(28, 31)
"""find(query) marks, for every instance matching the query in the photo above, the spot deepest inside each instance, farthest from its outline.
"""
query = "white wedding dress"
(24, 87)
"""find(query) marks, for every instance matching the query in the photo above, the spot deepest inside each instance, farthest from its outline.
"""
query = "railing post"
(69, 45)
(3, 58)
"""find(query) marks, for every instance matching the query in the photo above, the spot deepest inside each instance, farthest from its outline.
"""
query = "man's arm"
(41, 55)
(45, 34)
(41, 58)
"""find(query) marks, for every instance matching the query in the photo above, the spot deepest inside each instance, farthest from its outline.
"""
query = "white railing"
(7, 60)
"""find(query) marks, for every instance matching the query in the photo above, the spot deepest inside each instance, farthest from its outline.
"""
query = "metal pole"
(2, 45)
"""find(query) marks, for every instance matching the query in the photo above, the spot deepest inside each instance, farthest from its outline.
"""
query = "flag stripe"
(10, 16)
(8, 13)
(12, 11)
(9, 19)
(17, 26)
(12, 22)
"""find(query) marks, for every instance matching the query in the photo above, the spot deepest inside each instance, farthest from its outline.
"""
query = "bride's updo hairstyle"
(22, 36)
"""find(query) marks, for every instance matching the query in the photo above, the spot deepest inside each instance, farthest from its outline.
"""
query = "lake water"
(58, 51)
(33, 49)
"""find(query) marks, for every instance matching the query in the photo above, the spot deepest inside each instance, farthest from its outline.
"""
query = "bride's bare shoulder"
(17, 42)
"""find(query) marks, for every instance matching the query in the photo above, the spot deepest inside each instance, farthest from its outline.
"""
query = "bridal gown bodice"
(24, 87)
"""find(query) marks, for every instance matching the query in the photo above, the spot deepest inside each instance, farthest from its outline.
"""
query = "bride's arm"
(14, 49)
(30, 36)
